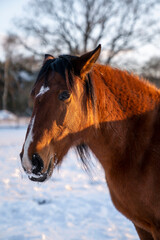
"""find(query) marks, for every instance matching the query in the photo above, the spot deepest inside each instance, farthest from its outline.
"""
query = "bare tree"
(76, 26)
(6, 84)
(17, 76)
(151, 70)
(8, 46)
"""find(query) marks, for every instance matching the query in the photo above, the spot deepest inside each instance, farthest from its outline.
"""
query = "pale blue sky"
(8, 10)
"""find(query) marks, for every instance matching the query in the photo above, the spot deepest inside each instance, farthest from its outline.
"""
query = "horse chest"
(124, 202)
(124, 190)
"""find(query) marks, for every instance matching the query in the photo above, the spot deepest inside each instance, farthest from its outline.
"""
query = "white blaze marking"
(25, 160)
(42, 91)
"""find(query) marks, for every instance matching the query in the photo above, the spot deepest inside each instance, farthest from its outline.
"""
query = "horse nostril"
(37, 163)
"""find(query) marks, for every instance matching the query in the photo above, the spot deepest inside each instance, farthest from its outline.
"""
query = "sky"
(9, 9)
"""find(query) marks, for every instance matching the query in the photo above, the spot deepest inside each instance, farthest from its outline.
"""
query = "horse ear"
(83, 64)
(47, 57)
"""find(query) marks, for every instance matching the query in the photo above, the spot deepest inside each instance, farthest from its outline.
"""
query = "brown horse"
(114, 113)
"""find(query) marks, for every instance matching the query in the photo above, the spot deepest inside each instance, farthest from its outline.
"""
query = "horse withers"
(83, 104)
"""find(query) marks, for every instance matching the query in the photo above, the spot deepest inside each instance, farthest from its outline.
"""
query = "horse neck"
(124, 104)
(121, 95)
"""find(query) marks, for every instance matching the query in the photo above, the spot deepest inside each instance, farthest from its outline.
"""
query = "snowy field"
(71, 206)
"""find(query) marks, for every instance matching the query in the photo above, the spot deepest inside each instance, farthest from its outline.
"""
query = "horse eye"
(64, 95)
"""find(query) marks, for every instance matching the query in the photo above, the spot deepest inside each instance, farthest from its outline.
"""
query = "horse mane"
(58, 65)
(122, 94)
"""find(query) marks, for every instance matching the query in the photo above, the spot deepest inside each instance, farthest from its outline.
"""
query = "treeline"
(16, 81)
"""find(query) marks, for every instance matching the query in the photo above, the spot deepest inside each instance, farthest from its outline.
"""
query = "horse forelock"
(61, 65)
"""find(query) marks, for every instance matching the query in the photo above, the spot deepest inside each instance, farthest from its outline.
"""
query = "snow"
(26, 76)
(9, 120)
(72, 205)
(4, 114)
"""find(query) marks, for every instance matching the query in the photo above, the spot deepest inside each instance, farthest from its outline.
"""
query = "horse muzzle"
(35, 173)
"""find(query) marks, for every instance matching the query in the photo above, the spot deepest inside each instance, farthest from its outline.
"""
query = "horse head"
(59, 94)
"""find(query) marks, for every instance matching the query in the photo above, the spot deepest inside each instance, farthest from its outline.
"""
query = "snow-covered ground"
(71, 206)
(6, 115)
(9, 119)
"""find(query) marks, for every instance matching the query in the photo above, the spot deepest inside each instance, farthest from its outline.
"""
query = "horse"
(114, 113)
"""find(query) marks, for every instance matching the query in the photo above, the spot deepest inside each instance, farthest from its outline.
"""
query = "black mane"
(58, 65)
